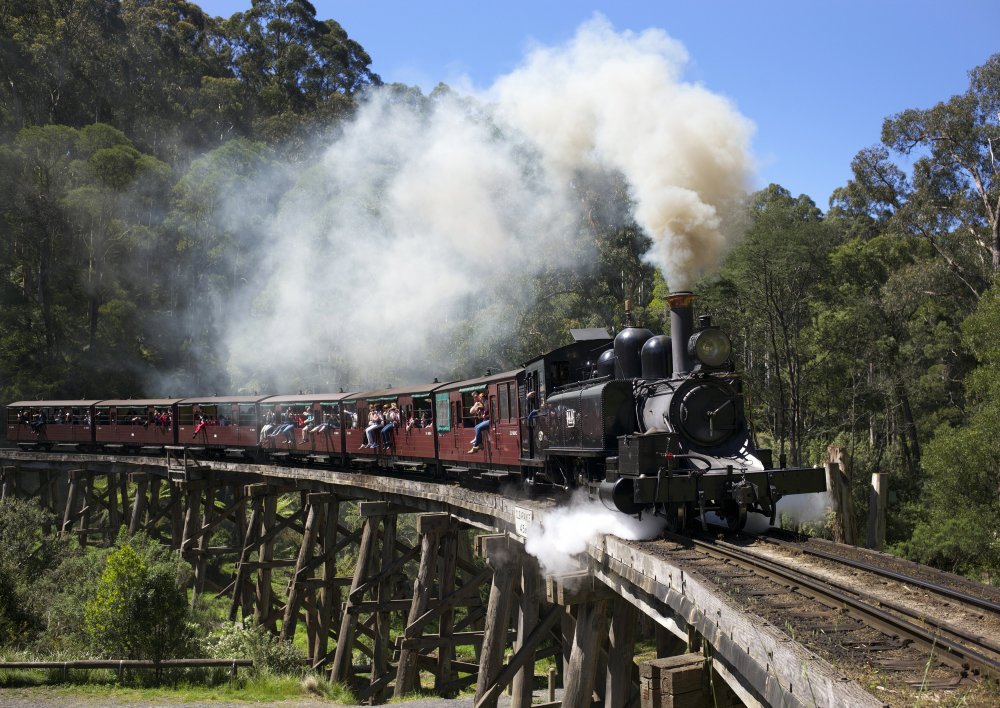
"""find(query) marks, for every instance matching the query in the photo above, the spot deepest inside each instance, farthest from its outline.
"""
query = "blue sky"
(816, 78)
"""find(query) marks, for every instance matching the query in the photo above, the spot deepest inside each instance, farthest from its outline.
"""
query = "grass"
(103, 685)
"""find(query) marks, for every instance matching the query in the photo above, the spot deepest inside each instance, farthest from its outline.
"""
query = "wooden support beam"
(878, 495)
(328, 595)
(618, 687)
(523, 659)
(294, 589)
(591, 629)
(527, 620)
(430, 527)
(140, 504)
(381, 675)
(263, 615)
(342, 670)
(446, 619)
(503, 556)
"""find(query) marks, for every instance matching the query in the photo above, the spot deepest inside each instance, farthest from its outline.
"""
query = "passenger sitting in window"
(480, 412)
(328, 422)
(202, 422)
(306, 425)
(375, 421)
(392, 420)
(286, 427)
(38, 422)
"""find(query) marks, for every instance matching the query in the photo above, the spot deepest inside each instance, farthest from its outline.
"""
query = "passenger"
(202, 422)
(529, 403)
(329, 421)
(286, 427)
(375, 421)
(38, 422)
(307, 424)
(392, 420)
(480, 411)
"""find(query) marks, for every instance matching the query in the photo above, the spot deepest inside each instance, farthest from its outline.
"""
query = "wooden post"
(241, 594)
(877, 494)
(69, 515)
(342, 670)
(591, 629)
(839, 487)
(294, 586)
(446, 622)
(140, 504)
(383, 618)
(262, 604)
(673, 682)
(527, 619)
(430, 527)
(501, 555)
(201, 552)
(621, 650)
(9, 483)
(328, 597)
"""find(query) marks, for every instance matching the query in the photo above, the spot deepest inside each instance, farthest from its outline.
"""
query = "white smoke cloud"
(616, 100)
(424, 212)
(564, 533)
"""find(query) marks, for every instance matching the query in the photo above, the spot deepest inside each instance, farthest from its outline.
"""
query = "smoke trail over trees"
(410, 242)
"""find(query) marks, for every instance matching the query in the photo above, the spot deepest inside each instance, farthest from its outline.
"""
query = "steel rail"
(955, 654)
(958, 595)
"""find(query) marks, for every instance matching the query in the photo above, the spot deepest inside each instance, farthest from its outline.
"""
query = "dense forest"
(127, 125)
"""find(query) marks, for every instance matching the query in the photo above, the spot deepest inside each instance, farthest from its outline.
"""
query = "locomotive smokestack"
(681, 329)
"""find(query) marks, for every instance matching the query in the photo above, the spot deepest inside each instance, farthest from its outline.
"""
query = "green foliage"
(140, 609)
(249, 641)
(25, 553)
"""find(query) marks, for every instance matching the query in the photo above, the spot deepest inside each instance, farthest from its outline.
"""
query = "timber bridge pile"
(745, 620)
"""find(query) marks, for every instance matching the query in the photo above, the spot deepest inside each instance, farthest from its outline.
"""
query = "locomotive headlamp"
(710, 346)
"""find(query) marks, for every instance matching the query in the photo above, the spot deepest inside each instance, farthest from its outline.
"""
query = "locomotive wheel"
(677, 518)
(734, 514)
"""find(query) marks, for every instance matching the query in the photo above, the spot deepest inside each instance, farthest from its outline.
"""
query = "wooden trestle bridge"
(588, 622)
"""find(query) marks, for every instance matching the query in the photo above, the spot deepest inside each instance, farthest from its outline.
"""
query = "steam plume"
(426, 212)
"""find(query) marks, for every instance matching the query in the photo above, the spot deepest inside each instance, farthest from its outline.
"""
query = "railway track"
(846, 622)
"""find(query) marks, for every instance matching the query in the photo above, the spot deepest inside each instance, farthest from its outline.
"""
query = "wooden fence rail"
(121, 664)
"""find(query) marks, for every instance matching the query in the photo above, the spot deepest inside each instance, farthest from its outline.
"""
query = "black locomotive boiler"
(662, 427)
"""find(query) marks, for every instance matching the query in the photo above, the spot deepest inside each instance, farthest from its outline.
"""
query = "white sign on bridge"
(522, 520)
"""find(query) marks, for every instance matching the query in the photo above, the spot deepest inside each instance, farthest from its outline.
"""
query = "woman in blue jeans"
(480, 411)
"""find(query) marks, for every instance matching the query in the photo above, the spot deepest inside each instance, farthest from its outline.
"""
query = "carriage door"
(494, 420)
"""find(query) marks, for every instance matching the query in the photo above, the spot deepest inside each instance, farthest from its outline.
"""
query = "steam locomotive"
(648, 423)
(662, 427)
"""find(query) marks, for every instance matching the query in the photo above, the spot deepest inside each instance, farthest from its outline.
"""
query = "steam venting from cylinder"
(681, 329)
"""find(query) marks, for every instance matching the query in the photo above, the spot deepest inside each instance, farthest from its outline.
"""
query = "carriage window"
(504, 403)
(443, 411)
(246, 415)
(351, 414)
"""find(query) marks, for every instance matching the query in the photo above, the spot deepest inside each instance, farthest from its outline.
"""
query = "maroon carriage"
(135, 423)
(221, 423)
(48, 423)
(499, 449)
(409, 441)
(318, 421)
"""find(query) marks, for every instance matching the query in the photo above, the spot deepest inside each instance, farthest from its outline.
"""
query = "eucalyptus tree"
(294, 68)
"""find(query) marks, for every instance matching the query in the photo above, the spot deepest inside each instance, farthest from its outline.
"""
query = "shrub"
(140, 609)
(250, 641)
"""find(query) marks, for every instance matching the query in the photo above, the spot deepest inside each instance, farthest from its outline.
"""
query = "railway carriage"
(500, 451)
(231, 423)
(132, 424)
(65, 422)
(326, 445)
